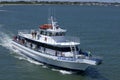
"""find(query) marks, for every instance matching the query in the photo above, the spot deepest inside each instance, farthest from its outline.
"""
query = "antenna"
(51, 19)
(51, 12)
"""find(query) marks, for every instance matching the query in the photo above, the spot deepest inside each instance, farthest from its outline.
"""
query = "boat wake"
(5, 41)
(62, 71)
(23, 57)
(65, 72)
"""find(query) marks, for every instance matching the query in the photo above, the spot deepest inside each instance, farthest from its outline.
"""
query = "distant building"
(67, 0)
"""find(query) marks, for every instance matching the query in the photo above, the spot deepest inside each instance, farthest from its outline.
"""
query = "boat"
(48, 45)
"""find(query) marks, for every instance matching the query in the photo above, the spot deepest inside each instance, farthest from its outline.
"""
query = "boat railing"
(93, 57)
(23, 31)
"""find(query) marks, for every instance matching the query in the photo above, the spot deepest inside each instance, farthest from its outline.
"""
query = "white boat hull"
(40, 57)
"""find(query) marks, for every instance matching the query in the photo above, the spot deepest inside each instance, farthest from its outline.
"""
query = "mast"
(51, 18)
(53, 23)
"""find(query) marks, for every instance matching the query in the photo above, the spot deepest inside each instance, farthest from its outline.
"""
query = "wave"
(5, 40)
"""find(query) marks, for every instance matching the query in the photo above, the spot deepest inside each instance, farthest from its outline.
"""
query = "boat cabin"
(51, 33)
(48, 30)
(49, 38)
(46, 48)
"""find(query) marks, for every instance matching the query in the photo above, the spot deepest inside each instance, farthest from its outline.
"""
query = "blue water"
(98, 28)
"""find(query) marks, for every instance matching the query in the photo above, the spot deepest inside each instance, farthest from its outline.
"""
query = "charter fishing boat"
(50, 46)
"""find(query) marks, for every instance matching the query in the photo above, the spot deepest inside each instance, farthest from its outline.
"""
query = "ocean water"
(98, 28)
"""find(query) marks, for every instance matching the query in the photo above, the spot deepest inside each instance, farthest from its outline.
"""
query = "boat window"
(60, 34)
(42, 45)
(45, 33)
(44, 49)
(67, 49)
(50, 34)
(39, 47)
(63, 33)
(77, 48)
(53, 34)
(57, 34)
(41, 32)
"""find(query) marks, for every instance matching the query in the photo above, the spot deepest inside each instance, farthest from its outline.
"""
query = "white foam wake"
(34, 62)
(5, 41)
(23, 57)
(63, 71)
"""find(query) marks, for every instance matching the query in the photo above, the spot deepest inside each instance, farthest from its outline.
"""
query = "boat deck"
(50, 40)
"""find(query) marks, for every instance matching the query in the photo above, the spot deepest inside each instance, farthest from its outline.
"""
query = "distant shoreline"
(59, 3)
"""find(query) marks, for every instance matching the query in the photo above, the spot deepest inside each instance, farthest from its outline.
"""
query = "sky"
(70, 0)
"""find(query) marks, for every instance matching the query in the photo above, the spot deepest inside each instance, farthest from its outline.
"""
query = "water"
(98, 28)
